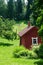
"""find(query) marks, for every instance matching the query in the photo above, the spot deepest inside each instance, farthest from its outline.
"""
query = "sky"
(6, 1)
(25, 1)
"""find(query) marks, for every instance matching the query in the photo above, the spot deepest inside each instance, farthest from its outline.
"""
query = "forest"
(14, 17)
(16, 11)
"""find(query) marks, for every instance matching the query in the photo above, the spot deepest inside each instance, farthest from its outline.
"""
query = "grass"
(17, 62)
(6, 54)
(7, 49)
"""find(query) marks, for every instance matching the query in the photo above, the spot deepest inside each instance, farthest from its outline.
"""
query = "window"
(34, 41)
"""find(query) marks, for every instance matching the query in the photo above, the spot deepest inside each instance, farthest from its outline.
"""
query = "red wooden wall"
(26, 39)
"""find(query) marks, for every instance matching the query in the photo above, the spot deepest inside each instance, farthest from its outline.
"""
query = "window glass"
(34, 40)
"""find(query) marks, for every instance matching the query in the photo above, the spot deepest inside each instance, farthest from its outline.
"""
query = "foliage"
(32, 55)
(17, 50)
(21, 52)
(15, 9)
(9, 28)
(28, 10)
(36, 50)
(6, 54)
(36, 11)
(38, 16)
(39, 62)
(19, 10)
(6, 29)
(41, 51)
(10, 9)
(2, 8)
(41, 32)
(39, 21)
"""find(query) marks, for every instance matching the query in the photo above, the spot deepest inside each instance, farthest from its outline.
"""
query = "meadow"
(7, 49)
(14, 16)
(6, 54)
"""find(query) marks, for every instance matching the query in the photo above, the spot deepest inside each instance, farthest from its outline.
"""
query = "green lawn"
(6, 54)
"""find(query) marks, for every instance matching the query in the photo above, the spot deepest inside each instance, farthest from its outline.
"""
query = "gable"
(27, 29)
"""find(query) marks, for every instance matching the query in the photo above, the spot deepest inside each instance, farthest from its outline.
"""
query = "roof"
(24, 31)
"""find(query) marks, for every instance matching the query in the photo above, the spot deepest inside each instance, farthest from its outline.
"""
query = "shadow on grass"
(39, 62)
(5, 44)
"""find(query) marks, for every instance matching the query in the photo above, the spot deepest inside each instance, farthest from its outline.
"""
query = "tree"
(37, 10)
(39, 21)
(6, 29)
(2, 8)
(19, 9)
(34, 11)
(10, 9)
(41, 32)
(28, 11)
(40, 4)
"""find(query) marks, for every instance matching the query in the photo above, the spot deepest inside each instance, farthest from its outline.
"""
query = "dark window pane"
(34, 41)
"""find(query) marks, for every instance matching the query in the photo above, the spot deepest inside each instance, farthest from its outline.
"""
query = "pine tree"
(2, 8)
(19, 9)
(10, 9)
(28, 11)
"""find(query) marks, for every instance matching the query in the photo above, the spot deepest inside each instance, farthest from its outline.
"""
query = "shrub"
(32, 55)
(17, 51)
(6, 29)
(41, 51)
(16, 55)
(20, 52)
(23, 53)
(36, 49)
(9, 35)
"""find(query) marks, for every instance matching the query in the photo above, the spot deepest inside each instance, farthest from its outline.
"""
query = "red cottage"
(29, 36)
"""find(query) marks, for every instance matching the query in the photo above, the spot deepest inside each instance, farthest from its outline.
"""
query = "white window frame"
(36, 40)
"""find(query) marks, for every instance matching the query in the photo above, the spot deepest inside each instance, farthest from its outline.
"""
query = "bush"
(32, 55)
(16, 55)
(17, 51)
(8, 35)
(41, 51)
(36, 49)
(23, 53)
(20, 52)
(6, 29)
